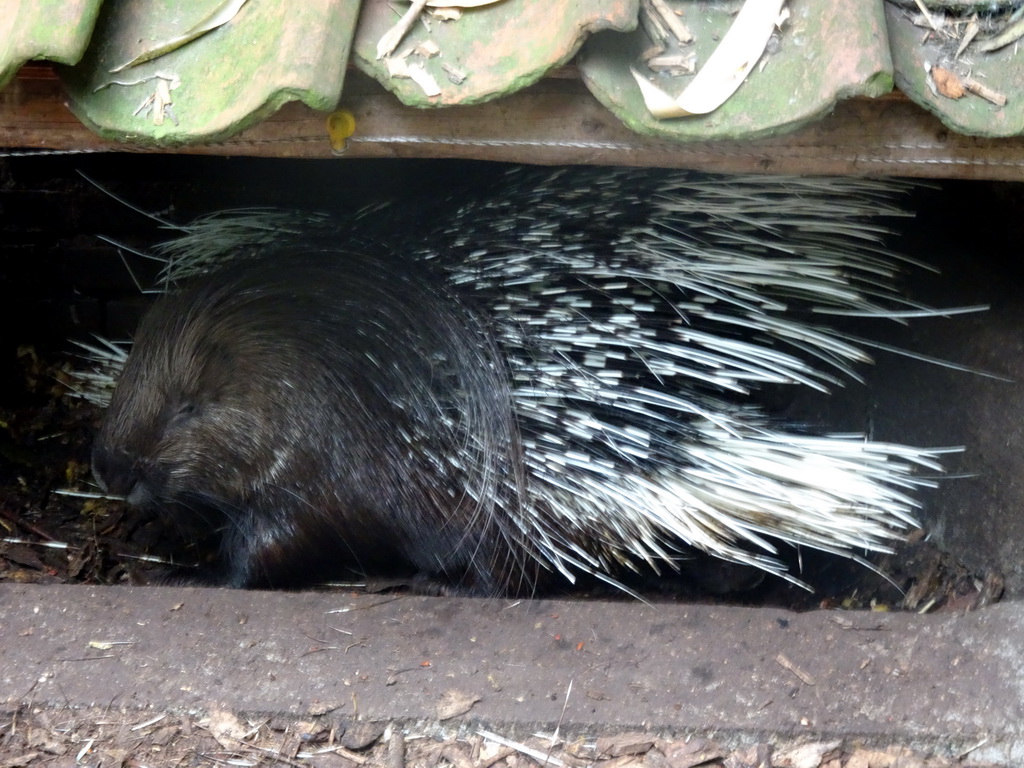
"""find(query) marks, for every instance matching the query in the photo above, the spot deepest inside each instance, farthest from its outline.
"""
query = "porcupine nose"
(115, 475)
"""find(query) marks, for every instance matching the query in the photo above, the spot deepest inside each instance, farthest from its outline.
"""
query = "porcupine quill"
(622, 323)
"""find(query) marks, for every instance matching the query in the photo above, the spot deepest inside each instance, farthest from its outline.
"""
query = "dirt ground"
(109, 737)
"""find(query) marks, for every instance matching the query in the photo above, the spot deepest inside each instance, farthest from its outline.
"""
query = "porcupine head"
(320, 415)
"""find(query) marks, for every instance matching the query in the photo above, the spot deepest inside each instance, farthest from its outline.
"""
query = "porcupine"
(559, 378)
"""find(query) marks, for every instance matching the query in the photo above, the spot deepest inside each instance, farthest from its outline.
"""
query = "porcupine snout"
(117, 474)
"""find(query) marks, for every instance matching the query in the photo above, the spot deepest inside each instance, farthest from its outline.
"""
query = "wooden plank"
(556, 121)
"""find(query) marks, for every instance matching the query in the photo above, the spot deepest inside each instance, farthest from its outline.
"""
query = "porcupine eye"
(180, 414)
(185, 412)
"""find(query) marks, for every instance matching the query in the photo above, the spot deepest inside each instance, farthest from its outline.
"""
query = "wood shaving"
(653, 26)
(220, 16)
(786, 663)
(428, 49)
(390, 39)
(1010, 34)
(727, 67)
(37, 736)
(980, 89)
(669, 19)
(460, 3)
(397, 66)
(953, 86)
(454, 703)
(970, 32)
(446, 14)
(456, 76)
(651, 52)
(932, 21)
(674, 64)
(424, 80)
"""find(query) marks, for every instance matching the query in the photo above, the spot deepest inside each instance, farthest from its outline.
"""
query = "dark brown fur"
(323, 412)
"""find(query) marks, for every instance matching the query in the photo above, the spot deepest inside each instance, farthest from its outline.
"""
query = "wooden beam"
(553, 122)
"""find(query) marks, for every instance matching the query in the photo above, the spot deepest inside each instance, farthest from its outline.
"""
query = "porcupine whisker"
(219, 514)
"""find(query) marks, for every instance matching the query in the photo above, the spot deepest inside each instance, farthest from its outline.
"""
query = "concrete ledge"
(942, 682)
